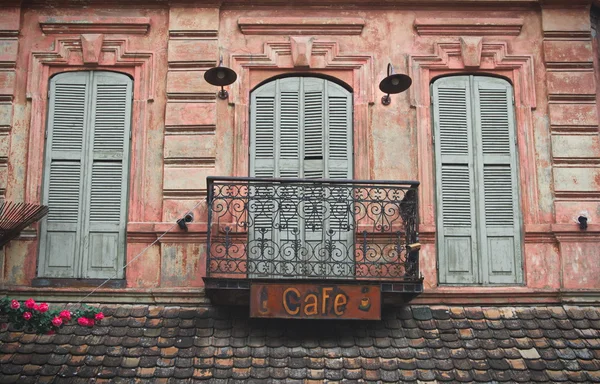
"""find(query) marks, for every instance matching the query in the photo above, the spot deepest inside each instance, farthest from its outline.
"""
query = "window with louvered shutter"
(301, 128)
(477, 200)
(85, 179)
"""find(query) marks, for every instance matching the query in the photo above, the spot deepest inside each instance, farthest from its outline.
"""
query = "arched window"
(301, 127)
(86, 175)
(478, 216)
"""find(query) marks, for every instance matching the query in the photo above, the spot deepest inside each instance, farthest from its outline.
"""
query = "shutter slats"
(493, 106)
(498, 196)
(265, 127)
(453, 121)
(110, 117)
(68, 117)
(106, 192)
(338, 128)
(289, 126)
(63, 194)
(456, 196)
(313, 124)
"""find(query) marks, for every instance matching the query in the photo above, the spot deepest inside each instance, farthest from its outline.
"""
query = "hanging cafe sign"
(315, 301)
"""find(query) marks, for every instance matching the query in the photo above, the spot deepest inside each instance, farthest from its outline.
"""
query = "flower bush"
(31, 316)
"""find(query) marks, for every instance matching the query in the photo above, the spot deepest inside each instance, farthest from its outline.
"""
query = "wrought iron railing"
(312, 229)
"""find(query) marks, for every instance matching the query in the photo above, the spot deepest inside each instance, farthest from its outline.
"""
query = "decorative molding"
(181, 34)
(98, 24)
(180, 97)
(471, 50)
(69, 52)
(190, 130)
(494, 57)
(575, 195)
(571, 98)
(154, 296)
(301, 50)
(91, 45)
(185, 194)
(203, 162)
(301, 25)
(469, 26)
(325, 59)
(447, 58)
(568, 35)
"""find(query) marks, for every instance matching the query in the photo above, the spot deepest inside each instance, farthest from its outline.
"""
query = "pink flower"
(65, 315)
(43, 307)
(83, 321)
(99, 316)
(91, 322)
(15, 304)
(27, 315)
(57, 321)
(30, 303)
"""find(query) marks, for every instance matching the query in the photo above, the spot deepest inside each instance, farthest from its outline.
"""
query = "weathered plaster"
(183, 133)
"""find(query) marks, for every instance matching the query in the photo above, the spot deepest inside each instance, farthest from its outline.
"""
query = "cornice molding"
(66, 51)
(469, 26)
(155, 296)
(98, 24)
(301, 25)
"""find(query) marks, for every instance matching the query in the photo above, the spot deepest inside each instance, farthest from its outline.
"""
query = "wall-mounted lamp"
(392, 84)
(583, 222)
(220, 76)
(188, 218)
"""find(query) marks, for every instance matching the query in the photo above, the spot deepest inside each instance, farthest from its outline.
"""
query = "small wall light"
(220, 76)
(393, 83)
(188, 218)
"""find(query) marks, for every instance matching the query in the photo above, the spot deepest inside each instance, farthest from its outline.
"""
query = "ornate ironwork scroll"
(312, 229)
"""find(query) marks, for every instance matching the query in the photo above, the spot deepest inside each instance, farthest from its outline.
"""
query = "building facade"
(105, 116)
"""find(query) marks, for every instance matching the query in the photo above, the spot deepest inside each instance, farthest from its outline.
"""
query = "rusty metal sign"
(315, 301)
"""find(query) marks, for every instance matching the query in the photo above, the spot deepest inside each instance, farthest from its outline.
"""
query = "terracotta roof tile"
(141, 343)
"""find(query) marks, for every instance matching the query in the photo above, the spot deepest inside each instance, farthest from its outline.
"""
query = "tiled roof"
(222, 345)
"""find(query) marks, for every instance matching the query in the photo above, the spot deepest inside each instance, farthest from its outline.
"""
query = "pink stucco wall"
(182, 133)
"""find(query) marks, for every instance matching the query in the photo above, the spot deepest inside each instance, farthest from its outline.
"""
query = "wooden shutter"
(85, 177)
(105, 224)
(457, 240)
(477, 195)
(301, 128)
(60, 235)
(497, 188)
(338, 165)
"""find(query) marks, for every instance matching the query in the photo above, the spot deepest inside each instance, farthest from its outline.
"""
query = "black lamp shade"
(395, 83)
(220, 76)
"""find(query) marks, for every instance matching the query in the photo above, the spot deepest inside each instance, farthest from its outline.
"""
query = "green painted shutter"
(338, 163)
(457, 241)
(500, 218)
(104, 248)
(301, 128)
(479, 236)
(85, 177)
(60, 235)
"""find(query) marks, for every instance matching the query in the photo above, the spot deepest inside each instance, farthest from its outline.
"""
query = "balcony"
(311, 230)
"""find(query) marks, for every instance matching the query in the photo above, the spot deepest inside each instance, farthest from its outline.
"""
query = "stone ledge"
(77, 25)
(478, 27)
(301, 26)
